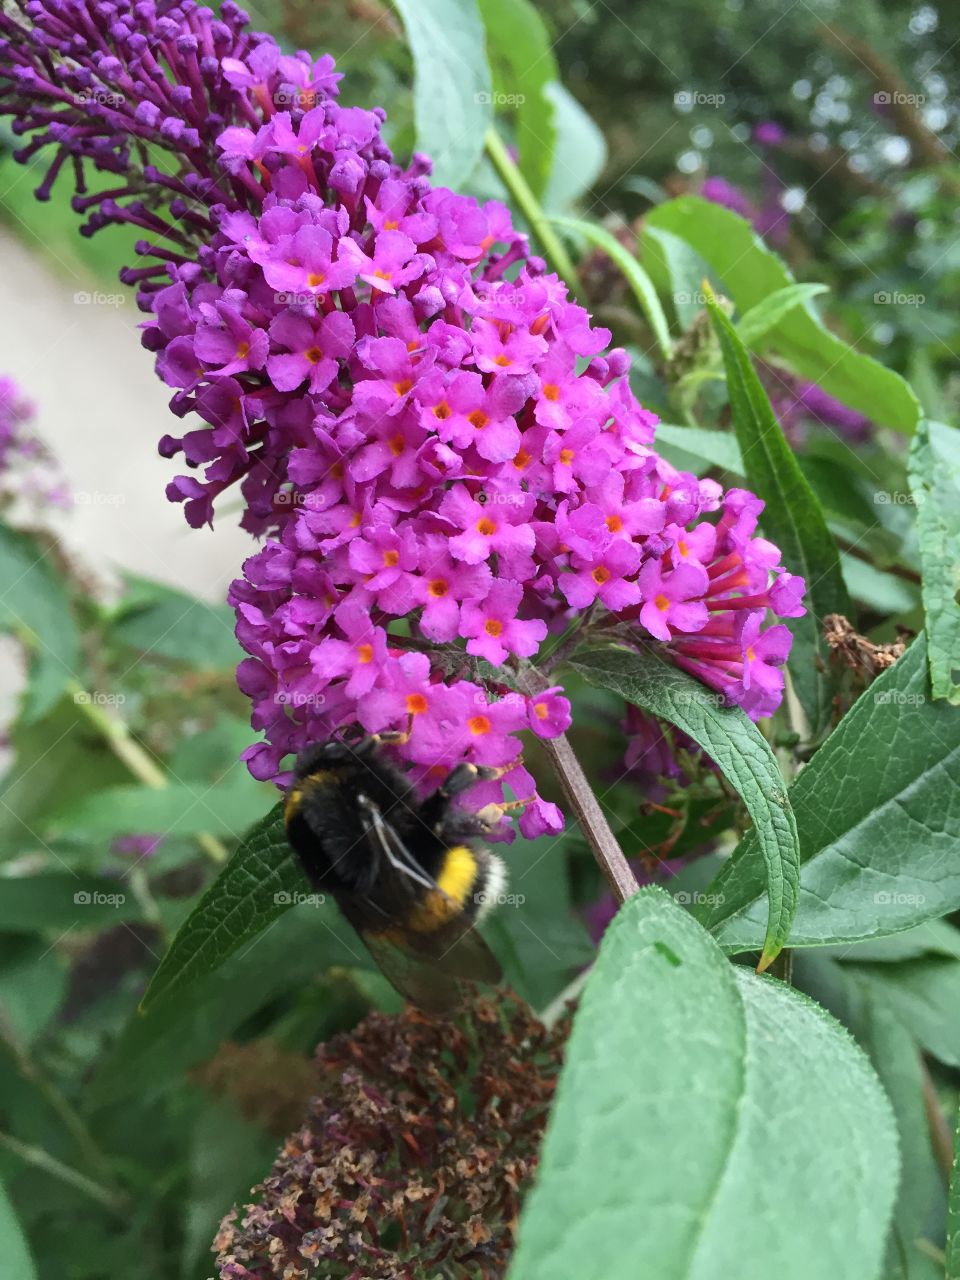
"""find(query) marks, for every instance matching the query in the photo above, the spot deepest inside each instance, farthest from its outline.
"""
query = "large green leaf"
(708, 1123)
(896, 1059)
(766, 315)
(261, 881)
(677, 269)
(792, 517)
(183, 808)
(878, 818)
(62, 901)
(17, 1259)
(739, 750)
(34, 607)
(750, 272)
(935, 482)
(925, 996)
(698, 445)
(580, 154)
(522, 62)
(452, 94)
(953, 1215)
(164, 623)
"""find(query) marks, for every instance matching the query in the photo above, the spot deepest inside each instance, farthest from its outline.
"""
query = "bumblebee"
(412, 877)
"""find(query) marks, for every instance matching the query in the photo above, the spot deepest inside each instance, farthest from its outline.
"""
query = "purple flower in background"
(29, 472)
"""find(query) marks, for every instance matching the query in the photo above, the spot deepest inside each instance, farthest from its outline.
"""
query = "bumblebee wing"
(430, 969)
(419, 981)
(456, 948)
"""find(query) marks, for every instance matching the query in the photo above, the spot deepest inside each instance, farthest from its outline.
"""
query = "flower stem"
(126, 748)
(40, 1159)
(592, 819)
(530, 207)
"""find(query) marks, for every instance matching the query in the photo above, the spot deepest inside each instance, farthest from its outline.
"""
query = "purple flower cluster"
(28, 470)
(447, 470)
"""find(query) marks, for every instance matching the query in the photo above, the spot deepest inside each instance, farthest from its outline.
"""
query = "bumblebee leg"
(393, 738)
(490, 815)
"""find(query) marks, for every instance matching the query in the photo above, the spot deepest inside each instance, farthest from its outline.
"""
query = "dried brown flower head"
(269, 1085)
(413, 1158)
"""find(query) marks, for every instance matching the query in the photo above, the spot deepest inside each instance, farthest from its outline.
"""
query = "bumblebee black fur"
(411, 876)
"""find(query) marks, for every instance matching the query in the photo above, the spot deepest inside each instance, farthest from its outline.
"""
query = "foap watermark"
(687, 299)
(105, 98)
(896, 298)
(892, 898)
(292, 298)
(284, 899)
(498, 99)
(499, 899)
(97, 698)
(687, 99)
(897, 98)
(898, 498)
(694, 898)
(294, 698)
(98, 498)
(97, 298)
(290, 95)
(94, 898)
(700, 698)
(496, 499)
(294, 498)
(898, 698)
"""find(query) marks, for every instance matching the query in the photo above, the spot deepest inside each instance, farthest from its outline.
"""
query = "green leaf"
(935, 483)
(63, 901)
(33, 983)
(522, 62)
(924, 994)
(638, 280)
(255, 888)
(172, 1035)
(953, 1212)
(750, 272)
(738, 749)
(677, 269)
(878, 821)
(35, 608)
(452, 92)
(766, 315)
(183, 808)
(792, 517)
(878, 591)
(699, 445)
(14, 1249)
(164, 623)
(896, 1060)
(580, 154)
(696, 1101)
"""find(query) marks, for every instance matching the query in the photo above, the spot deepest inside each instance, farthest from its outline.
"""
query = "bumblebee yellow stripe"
(458, 873)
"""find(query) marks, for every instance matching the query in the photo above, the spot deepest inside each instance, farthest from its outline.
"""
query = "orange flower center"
(396, 445)
(551, 391)
(402, 387)
(566, 456)
(502, 360)
(478, 419)
(313, 354)
(486, 526)
(391, 558)
(541, 710)
(438, 588)
(416, 703)
(365, 653)
(479, 725)
(600, 575)
(662, 602)
(315, 278)
(243, 350)
(614, 524)
(493, 627)
(442, 410)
